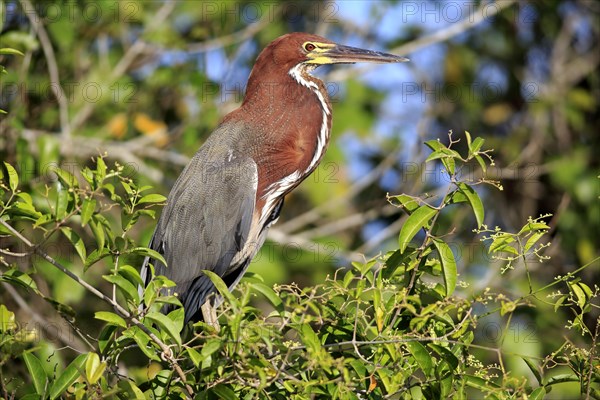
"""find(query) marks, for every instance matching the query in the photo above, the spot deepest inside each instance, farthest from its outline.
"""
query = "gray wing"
(205, 223)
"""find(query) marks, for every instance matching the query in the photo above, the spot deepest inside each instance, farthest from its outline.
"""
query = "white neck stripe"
(277, 189)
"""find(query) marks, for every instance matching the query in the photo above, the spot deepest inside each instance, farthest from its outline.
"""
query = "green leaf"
(7, 317)
(224, 392)
(106, 337)
(132, 274)
(36, 372)
(407, 202)
(476, 146)
(161, 385)
(210, 347)
(127, 288)
(166, 324)
(446, 354)
(153, 198)
(76, 241)
(28, 210)
(132, 390)
(479, 383)
(100, 169)
(449, 164)
(65, 177)
(468, 136)
(111, 318)
(13, 177)
(88, 207)
(25, 197)
(417, 220)
(15, 276)
(194, 356)
(395, 260)
(502, 242)
(142, 339)
(62, 202)
(560, 302)
(221, 286)
(578, 290)
(128, 189)
(457, 197)
(481, 162)
(533, 239)
(94, 257)
(270, 294)
(534, 369)
(562, 378)
(69, 375)
(474, 200)
(144, 251)
(435, 145)
(178, 318)
(448, 265)
(423, 358)
(48, 152)
(533, 226)
(98, 232)
(537, 394)
(7, 50)
(586, 289)
(310, 338)
(94, 368)
(436, 155)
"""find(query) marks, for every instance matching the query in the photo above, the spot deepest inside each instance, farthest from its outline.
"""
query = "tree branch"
(126, 314)
(478, 16)
(55, 85)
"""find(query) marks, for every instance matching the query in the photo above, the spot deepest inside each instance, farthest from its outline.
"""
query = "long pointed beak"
(348, 55)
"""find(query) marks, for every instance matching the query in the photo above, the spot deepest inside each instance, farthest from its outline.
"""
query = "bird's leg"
(209, 313)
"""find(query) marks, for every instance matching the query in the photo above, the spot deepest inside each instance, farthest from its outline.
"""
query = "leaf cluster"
(400, 325)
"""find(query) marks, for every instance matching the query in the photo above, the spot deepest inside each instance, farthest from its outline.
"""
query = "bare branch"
(233, 38)
(315, 213)
(478, 16)
(55, 85)
(128, 58)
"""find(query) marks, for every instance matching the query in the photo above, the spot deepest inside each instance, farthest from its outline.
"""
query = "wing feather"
(206, 222)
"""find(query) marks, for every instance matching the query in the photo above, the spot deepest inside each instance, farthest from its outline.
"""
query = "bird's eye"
(309, 46)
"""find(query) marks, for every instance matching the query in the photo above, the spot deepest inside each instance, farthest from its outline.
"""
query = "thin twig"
(167, 353)
(315, 213)
(278, 236)
(55, 86)
(125, 62)
(43, 323)
(483, 12)
(233, 38)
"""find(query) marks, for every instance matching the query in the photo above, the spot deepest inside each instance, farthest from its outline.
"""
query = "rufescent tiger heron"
(219, 210)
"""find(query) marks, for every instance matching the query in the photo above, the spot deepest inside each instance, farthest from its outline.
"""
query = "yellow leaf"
(372, 384)
(497, 113)
(117, 126)
(150, 127)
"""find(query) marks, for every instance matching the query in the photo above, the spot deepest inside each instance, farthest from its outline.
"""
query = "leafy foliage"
(147, 81)
(391, 326)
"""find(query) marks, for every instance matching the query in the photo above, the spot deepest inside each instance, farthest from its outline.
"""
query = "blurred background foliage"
(146, 83)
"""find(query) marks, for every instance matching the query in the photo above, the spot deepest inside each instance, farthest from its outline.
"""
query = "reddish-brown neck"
(285, 120)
